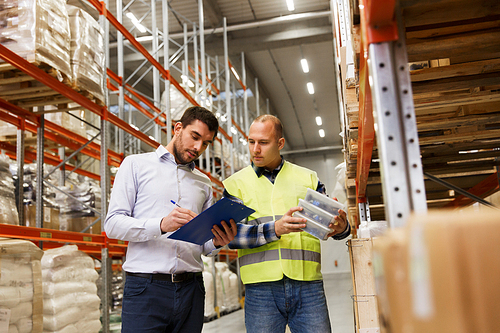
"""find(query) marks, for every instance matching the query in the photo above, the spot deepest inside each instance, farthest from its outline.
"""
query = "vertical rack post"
(156, 72)
(20, 172)
(394, 115)
(121, 96)
(166, 64)
(229, 117)
(40, 139)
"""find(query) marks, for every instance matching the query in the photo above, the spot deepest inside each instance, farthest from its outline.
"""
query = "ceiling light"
(322, 133)
(136, 22)
(319, 121)
(190, 84)
(310, 88)
(235, 74)
(233, 130)
(290, 5)
(305, 65)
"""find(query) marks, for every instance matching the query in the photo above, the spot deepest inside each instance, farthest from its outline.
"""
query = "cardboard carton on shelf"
(78, 223)
(50, 217)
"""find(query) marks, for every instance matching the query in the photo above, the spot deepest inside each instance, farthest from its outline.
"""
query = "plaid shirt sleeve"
(251, 236)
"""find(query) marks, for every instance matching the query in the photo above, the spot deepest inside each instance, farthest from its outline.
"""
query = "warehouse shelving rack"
(421, 115)
(449, 116)
(236, 110)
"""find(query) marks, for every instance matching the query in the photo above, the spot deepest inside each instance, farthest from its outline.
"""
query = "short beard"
(178, 154)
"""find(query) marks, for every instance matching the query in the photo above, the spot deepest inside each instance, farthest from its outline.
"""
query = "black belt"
(174, 278)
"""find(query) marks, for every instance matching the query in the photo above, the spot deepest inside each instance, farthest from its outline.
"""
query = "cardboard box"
(50, 217)
(443, 270)
(390, 266)
(79, 223)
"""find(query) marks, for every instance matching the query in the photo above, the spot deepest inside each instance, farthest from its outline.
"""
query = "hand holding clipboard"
(199, 229)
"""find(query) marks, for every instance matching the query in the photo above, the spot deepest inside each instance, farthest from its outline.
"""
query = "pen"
(172, 201)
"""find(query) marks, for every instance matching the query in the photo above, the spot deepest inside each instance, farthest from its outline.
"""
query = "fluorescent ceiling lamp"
(310, 88)
(305, 65)
(136, 22)
(322, 133)
(235, 74)
(233, 130)
(290, 5)
(190, 84)
(319, 121)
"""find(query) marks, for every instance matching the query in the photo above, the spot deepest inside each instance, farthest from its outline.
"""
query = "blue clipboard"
(199, 229)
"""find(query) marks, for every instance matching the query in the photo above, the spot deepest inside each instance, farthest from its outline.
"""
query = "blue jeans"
(269, 306)
(162, 306)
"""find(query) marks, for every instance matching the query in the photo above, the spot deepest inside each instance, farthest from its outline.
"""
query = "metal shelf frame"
(232, 109)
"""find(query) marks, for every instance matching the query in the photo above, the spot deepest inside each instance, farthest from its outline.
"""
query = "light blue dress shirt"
(142, 190)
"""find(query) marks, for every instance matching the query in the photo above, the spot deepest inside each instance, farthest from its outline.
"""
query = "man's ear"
(281, 143)
(177, 128)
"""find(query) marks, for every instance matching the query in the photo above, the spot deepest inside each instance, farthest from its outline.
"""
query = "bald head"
(278, 127)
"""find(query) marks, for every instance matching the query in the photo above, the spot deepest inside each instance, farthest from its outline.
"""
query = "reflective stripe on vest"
(270, 255)
(254, 258)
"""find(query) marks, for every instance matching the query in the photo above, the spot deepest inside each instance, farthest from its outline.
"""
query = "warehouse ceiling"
(273, 40)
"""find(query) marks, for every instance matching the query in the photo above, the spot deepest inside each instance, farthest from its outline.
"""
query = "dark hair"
(278, 126)
(200, 113)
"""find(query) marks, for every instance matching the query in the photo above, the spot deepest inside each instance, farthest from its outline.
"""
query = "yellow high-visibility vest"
(296, 255)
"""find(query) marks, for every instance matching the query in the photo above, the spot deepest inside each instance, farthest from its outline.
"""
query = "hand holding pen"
(177, 218)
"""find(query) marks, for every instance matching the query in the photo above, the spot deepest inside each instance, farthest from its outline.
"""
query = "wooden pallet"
(21, 89)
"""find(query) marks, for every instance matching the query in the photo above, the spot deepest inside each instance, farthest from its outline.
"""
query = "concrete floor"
(338, 290)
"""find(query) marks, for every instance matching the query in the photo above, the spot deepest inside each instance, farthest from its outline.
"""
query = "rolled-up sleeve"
(120, 223)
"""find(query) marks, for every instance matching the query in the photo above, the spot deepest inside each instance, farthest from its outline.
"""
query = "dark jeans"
(162, 306)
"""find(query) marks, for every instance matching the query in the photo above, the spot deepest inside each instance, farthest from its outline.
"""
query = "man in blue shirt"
(164, 289)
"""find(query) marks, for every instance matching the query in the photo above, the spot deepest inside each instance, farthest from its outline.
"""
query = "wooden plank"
(457, 83)
(472, 46)
(365, 302)
(450, 28)
(456, 70)
(459, 137)
(427, 12)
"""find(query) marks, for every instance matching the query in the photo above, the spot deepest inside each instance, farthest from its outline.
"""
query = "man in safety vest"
(279, 265)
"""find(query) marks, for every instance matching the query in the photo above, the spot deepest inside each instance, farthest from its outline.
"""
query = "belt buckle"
(175, 276)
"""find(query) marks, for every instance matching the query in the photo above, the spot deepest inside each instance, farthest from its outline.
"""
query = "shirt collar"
(163, 153)
(260, 170)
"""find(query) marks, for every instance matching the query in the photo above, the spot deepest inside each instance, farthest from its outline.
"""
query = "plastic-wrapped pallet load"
(37, 30)
(87, 52)
(70, 302)
(20, 286)
(8, 209)
(227, 288)
(208, 280)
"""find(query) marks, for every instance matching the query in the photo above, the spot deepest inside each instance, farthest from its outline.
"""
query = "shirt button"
(178, 256)
(155, 236)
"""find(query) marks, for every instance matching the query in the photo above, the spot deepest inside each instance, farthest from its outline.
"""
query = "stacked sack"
(20, 286)
(70, 302)
(37, 30)
(227, 287)
(8, 209)
(208, 280)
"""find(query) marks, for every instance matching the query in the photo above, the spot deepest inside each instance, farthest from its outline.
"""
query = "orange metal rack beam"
(93, 243)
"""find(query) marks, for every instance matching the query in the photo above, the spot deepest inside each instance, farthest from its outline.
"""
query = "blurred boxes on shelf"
(70, 222)
(87, 54)
(440, 273)
(50, 217)
(21, 295)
